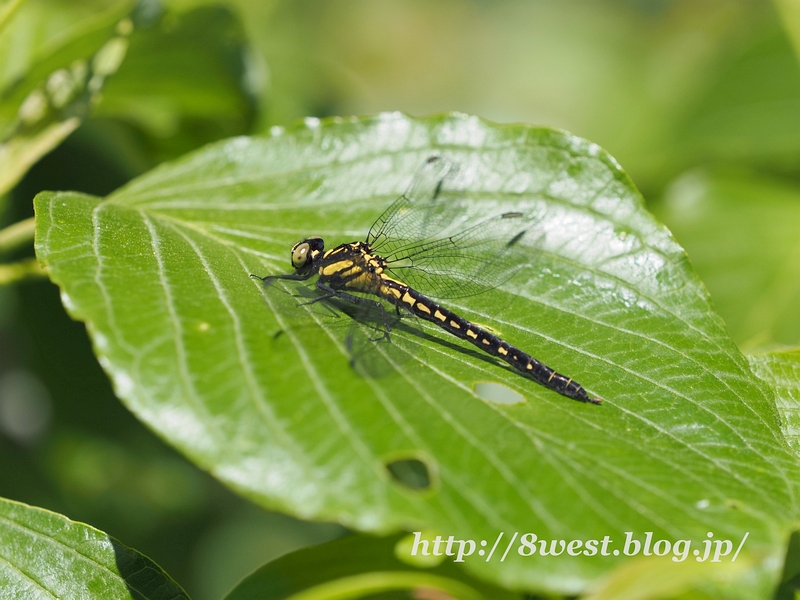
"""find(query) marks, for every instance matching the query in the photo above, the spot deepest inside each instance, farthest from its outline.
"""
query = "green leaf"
(781, 369)
(7, 10)
(188, 80)
(649, 578)
(751, 110)
(790, 15)
(45, 555)
(790, 581)
(33, 29)
(262, 394)
(353, 567)
(741, 234)
(47, 101)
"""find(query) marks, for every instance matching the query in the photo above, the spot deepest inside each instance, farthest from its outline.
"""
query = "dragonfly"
(409, 248)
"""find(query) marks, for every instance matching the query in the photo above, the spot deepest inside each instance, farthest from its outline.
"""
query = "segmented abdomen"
(425, 308)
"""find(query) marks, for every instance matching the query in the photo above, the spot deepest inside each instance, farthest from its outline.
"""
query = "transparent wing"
(412, 236)
(465, 264)
(416, 215)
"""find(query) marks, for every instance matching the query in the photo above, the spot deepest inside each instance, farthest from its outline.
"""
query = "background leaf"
(354, 563)
(670, 82)
(740, 231)
(748, 113)
(189, 79)
(781, 369)
(67, 443)
(186, 79)
(45, 555)
(7, 10)
(34, 29)
(650, 578)
(45, 103)
(790, 15)
(261, 393)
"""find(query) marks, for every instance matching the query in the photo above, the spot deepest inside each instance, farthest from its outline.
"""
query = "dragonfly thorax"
(352, 266)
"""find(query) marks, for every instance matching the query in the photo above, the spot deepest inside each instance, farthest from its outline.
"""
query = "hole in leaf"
(410, 472)
(497, 393)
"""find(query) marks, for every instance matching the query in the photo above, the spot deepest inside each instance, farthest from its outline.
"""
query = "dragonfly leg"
(292, 276)
(329, 293)
(332, 293)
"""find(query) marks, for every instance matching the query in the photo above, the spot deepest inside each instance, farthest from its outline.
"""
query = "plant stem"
(17, 235)
(24, 269)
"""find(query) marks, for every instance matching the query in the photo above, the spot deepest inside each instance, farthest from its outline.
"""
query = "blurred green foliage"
(699, 101)
(741, 232)
(362, 564)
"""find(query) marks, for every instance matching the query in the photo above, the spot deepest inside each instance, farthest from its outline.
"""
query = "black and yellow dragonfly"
(408, 248)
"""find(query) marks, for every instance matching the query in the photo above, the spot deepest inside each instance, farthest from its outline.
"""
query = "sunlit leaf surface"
(262, 393)
(44, 555)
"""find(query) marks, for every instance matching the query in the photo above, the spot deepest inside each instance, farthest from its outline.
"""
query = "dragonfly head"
(306, 253)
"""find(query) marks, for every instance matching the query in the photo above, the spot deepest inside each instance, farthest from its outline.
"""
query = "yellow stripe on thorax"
(337, 267)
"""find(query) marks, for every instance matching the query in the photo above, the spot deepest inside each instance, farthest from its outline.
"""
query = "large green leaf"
(45, 555)
(356, 566)
(741, 234)
(262, 394)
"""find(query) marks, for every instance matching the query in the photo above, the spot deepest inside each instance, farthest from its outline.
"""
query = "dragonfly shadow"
(368, 343)
(412, 325)
(360, 329)
(297, 307)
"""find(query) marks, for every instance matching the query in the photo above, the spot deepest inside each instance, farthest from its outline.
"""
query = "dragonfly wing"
(412, 235)
(419, 213)
(471, 262)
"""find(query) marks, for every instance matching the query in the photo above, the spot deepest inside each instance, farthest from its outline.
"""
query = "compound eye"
(300, 255)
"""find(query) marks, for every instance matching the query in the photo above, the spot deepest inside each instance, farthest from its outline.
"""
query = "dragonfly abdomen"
(427, 309)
